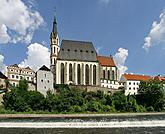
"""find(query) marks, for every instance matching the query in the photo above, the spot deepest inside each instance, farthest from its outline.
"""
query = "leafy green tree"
(151, 94)
(50, 103)
(119, 101)
(35, 100)
(13, 101)
(94, 106)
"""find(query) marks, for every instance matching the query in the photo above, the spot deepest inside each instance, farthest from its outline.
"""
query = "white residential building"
(16, 73)
(44, 78)
(131, 82)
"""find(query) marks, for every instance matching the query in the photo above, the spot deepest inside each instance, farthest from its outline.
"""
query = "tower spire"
(55, 47)
(54, 23)
(54, 26)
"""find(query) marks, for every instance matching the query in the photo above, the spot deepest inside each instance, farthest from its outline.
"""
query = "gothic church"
(77, 63)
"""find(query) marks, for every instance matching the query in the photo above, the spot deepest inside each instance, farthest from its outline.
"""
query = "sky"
(132, 31)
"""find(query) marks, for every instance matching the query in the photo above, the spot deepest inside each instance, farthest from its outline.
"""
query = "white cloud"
(104, 1)
(4, 37)
(18, 21)
(120, 58)
(156, 35)
(37, 55)
(2, 65)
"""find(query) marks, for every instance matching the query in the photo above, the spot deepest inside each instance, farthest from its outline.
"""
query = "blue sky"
(109, 24)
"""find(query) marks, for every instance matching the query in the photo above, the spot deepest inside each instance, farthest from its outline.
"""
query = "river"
(100, 124)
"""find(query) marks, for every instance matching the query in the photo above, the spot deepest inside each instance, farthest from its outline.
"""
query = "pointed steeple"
(54, 31)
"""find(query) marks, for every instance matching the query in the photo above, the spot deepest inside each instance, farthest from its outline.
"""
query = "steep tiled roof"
(106, 61)
(77, 50)
(159, 78)
(2, 76)
(137, 77)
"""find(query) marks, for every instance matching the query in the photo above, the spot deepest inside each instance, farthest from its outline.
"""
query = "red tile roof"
(106, 61)
(137, 77)
(159, 78)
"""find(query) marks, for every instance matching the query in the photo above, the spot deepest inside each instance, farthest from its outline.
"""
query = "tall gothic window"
(103, 74)
(62, 73)
(108, 74)
(70, 72)
(78, 74)
(94, 75)
(87, 75)
(113, 75)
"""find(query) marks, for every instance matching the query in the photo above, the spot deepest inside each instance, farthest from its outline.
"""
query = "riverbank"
(75, 115)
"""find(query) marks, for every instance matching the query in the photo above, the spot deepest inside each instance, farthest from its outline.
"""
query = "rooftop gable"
(44, 68)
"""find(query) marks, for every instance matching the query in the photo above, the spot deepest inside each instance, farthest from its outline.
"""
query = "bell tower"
(55, 47)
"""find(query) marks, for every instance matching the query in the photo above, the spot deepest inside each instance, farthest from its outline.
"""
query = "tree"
(51, 102)
(151, 93)
(119, 101)
(35, 100)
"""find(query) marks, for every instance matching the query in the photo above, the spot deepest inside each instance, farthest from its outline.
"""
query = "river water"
(131, 124)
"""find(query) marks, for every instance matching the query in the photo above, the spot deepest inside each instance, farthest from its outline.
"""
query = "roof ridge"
(137, 74)
(77, 41)
(105, 56)
(44, 68)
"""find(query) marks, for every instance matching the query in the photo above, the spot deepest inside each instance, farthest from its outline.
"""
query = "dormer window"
(81, 50)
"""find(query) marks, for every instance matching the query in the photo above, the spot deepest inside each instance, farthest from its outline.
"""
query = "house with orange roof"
(131, 82)
(160, 78)
(109, 74)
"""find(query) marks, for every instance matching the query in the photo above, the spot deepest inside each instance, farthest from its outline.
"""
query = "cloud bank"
(18, 22)
(2, 65)
(156, 35)
(120, 58)
(37, 55)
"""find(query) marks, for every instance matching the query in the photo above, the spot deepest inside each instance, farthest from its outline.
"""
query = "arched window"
(70, 72)
(62, 73)
(78, 74)
(86, 74)
(108, 74)
(94, 75)
(113, 75)
(103, 74)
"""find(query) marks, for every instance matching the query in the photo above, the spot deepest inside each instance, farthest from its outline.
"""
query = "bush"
(68, 100)
(150, 109)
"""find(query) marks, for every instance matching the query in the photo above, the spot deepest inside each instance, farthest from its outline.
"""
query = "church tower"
(55, 47)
